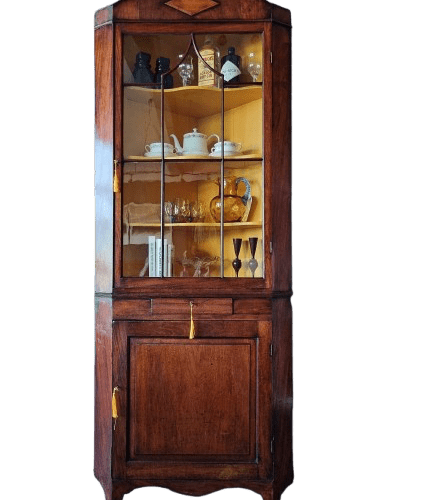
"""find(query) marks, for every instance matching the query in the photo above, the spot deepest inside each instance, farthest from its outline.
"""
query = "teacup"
(155, 148)
(229, 147)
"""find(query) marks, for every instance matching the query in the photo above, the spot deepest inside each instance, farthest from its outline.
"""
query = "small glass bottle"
(211, 55)
(162, 66)
(230, 66)
(142, 72)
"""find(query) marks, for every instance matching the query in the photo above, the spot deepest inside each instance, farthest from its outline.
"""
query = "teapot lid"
(194, 133)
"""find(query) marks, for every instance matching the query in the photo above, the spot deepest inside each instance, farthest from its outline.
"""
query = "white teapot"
(194, 143)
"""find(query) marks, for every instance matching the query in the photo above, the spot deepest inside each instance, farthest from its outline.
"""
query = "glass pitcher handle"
(247, 194)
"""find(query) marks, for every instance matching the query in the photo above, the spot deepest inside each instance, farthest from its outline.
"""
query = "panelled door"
(187, 408)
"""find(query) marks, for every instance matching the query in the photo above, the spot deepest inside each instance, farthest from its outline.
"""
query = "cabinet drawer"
(131, 309)
(200, 306)
(180, 308)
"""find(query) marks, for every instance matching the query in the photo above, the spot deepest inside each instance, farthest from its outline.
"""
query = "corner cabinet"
(193, 247)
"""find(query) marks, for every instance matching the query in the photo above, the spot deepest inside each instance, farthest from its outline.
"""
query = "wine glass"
(252, 263)
(237, 263)
(168, 210)
(185, 70)
(176, 215)
(197, 212)
(254, 66)
(185, 211)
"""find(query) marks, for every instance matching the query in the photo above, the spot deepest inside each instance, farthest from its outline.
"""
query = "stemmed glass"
(176, 210)
(168, 210)
(254, 66)
(197, 212)
(252, 263)
(185, 211)
(237, 263)
(185, 70)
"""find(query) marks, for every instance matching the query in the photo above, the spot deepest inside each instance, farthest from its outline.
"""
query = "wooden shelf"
(196, 102)
(197, 224)
(192, 159)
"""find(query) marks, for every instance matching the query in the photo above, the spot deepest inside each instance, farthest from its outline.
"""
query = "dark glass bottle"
(230, 66)
(162, 66)
(142, 72)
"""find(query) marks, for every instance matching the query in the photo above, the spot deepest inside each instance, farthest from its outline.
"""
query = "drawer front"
(200, 306)
(132, 309)
(180, 308)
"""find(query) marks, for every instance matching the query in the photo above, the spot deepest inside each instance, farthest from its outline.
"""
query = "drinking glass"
(176, 210)
(168, 210)
(185, 211)
(252, 263)
(237, 263)
(197, 212)
(185, 70)
(254, 66)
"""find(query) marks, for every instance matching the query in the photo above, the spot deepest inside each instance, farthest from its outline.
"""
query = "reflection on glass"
(141, 219)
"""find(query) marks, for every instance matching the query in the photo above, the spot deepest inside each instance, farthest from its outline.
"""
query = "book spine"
(158, 253)
(166, 261)
(152, 270)
(170, 252)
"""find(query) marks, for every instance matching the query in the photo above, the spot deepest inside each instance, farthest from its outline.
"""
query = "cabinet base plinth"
(117, 489)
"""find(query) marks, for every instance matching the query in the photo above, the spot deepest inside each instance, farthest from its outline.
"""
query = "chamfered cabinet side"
(281, 163)
(104, 157)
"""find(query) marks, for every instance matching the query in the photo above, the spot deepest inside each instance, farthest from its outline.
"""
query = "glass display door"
(192, 141)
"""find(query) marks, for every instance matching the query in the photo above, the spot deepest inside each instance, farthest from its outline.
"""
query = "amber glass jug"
(234, 205)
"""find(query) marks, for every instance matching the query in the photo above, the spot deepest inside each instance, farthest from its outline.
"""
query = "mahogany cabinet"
(193, 371)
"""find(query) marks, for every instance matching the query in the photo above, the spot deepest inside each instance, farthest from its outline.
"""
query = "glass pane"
(141, 218)
(244, 44)
(189, 228)
(194, 120)
(243, 219)
(193, 124)
(141, 54)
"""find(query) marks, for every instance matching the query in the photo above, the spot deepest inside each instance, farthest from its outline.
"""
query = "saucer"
(228, 153)
(159, 155)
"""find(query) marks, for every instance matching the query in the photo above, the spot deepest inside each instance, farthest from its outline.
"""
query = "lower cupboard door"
(190, 409)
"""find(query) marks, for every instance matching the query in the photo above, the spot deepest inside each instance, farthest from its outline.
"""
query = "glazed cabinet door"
(187, 408)
(190, 157)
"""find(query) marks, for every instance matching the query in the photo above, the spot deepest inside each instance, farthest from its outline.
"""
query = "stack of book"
(155, 257)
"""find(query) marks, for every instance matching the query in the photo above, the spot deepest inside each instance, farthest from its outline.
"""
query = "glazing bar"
(162, 181)
(222, 180)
